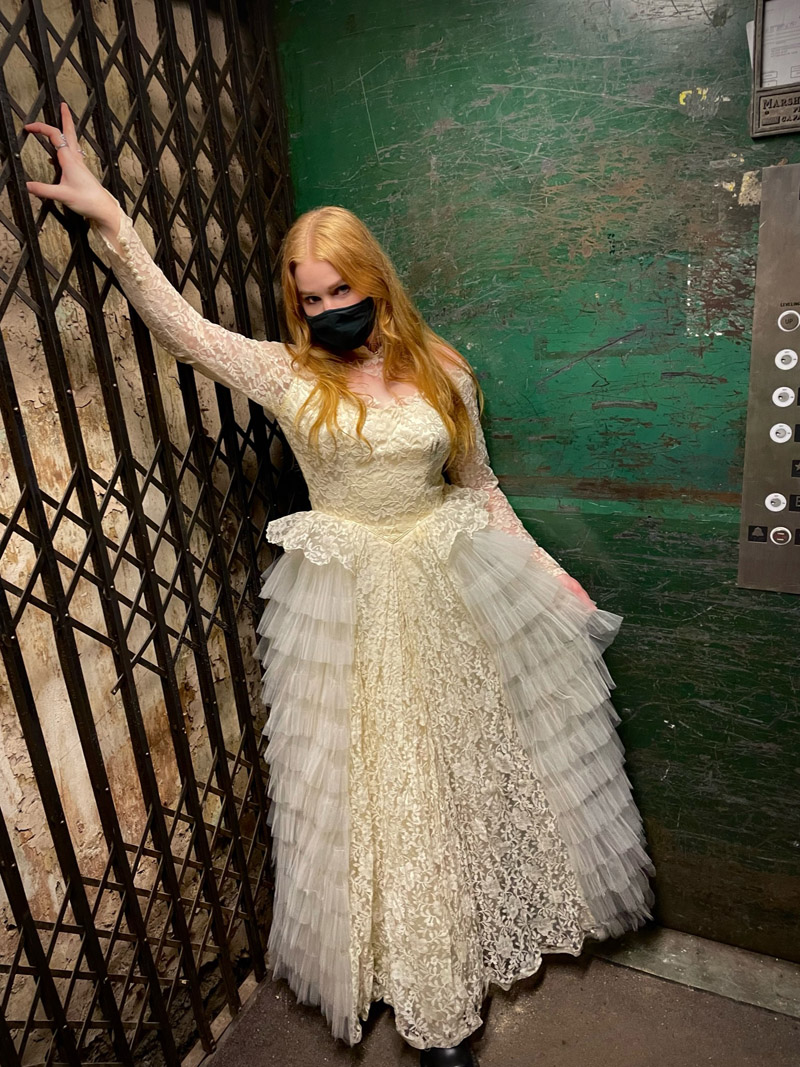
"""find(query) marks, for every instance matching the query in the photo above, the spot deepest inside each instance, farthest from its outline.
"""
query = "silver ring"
(63, 144)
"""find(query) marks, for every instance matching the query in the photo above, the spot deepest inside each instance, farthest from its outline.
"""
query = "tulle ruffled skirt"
(448, 796)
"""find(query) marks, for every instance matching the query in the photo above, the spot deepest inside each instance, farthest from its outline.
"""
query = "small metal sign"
(774, 108)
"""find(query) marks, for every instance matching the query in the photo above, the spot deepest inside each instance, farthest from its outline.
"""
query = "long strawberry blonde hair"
(413, 352)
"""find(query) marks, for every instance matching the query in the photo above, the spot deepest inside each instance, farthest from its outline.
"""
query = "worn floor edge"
(686, 959)
(736, 973)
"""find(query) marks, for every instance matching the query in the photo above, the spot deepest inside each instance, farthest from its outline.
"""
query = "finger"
(44, 129)
(44, 191)
(53, 134)
(68, 125)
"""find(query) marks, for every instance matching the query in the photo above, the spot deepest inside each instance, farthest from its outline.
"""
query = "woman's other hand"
(575, 587)
(78, 189)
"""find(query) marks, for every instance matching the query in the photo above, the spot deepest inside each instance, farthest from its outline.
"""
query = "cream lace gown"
(448, 798)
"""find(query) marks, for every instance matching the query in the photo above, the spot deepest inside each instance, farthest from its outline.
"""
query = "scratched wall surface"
(569, 190)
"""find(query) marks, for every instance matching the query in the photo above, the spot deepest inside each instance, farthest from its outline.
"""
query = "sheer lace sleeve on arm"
(473, 470)
(260, 369)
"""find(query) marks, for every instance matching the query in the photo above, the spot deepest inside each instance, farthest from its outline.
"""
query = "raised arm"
(261, 369)
(474, 470)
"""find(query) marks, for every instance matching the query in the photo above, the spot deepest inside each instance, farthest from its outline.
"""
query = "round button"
(775, 501)
(783, 397)
(781, 432)
(780, 536)
(788, 321)
(786, 359)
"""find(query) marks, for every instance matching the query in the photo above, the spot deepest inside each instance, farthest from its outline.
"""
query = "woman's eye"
(344, 288)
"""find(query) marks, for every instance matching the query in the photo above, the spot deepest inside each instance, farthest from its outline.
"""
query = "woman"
(447, 785)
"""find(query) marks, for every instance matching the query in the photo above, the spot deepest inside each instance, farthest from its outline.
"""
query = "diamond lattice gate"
(134, 847)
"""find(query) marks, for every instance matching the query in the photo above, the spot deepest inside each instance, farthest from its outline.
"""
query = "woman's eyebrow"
(335, 285)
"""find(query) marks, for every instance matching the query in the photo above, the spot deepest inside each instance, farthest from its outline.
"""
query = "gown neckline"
(373, 365)
(396, 401)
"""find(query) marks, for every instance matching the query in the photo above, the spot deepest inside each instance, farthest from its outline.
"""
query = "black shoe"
(458, 1056)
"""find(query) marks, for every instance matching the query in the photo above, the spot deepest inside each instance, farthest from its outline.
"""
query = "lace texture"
(263, 371)
(324, 537)
(474, 470)
(447, 793)
(260, 369)
(459, 877)
(487, 816)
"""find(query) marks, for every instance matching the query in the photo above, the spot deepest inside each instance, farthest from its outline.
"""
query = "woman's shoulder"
(285, 353)
(451, 361)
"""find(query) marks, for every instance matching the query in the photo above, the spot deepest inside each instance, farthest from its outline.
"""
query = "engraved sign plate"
(774, 40)
(778, 111)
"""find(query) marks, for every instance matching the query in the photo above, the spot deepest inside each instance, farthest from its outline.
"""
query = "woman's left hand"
(575, 587)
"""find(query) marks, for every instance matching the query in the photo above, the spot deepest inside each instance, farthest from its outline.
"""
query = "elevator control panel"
(769, 536)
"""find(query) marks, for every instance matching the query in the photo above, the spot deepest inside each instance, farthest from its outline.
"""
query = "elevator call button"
(783, 396)
(780, 432)
(775, 502)
(780, 536)
(788, 321)
(786, 359)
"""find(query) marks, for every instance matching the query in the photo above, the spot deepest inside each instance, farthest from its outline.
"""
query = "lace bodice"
(398, 483)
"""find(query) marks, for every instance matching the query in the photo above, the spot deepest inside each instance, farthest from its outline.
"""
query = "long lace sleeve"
(474, 470)
(260, 369)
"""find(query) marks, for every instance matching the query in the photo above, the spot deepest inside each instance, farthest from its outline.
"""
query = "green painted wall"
(570, 193)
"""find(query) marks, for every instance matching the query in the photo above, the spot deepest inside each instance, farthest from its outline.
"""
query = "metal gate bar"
(168, 929)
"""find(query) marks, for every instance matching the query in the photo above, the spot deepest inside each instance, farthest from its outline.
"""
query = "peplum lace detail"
(260, 369)
(402, 476)
(324, 537)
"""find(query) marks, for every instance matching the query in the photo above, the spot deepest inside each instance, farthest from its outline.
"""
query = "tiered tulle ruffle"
(306, 648)
(547, 646)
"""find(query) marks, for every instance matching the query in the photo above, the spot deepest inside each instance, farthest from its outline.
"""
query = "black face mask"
(343, 328)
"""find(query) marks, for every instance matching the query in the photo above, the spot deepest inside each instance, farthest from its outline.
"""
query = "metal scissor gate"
(134, 846)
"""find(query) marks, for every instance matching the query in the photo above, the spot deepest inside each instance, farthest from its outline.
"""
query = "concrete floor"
(576, 1012)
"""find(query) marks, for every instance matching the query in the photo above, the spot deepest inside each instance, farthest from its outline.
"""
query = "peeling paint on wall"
(701, 103)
